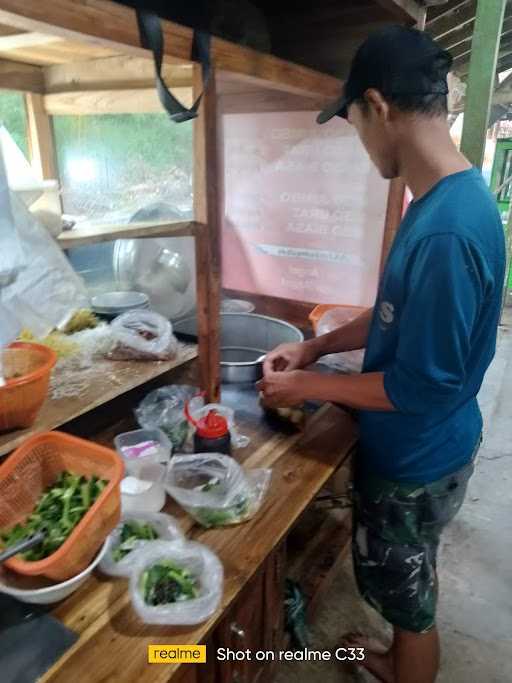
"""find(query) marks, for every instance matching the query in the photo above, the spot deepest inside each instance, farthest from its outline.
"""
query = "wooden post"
(482, 69)
(506, 301)
(40, 138)
(208, 255)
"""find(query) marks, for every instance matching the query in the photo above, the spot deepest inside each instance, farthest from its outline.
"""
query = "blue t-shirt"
(433, 332)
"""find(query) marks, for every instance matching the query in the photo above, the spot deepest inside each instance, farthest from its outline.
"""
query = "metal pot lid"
(162, 268)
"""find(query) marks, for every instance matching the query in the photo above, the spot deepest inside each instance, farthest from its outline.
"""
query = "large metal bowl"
(244, 339)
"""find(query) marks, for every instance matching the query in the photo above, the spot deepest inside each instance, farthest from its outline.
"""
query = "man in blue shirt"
(429, 340)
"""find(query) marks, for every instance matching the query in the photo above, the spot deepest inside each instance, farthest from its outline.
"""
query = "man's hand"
(282, 389)
(289, 357)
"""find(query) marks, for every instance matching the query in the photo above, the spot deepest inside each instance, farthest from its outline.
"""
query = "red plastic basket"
(316, 314)
(28, 368)
(36, 465)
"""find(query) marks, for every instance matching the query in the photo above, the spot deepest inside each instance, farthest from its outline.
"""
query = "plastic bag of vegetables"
(142, 335)
(176, 583)
(135, 530)
(214, 489)
(164, 409)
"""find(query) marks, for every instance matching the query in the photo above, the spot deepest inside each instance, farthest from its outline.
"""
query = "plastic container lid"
(213, 426)
(134, 448)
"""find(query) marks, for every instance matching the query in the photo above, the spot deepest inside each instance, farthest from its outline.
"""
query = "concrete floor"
(475, 563)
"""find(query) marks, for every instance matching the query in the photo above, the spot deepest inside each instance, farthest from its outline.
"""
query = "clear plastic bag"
(214, 489)
(142, 335)
(347, 361)
(205, 570)
(12, 259)
(47, 291)
(164, 409)
(199, 411)
(165, 526)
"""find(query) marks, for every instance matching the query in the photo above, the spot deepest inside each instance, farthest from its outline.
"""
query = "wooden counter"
(113, 642)
(84, 389)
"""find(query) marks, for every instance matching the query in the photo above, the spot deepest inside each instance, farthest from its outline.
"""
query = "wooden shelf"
(109, 25)
(89, 389)
(409, 11)
(106, 232)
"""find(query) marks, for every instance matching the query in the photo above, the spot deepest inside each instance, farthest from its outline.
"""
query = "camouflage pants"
(397, 527)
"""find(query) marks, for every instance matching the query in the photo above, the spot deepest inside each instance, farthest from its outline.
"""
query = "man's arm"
(447, 279)
(362, 392)
(349, 337)
(289, 357)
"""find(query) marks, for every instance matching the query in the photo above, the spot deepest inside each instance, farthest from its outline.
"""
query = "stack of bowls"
(112, 304)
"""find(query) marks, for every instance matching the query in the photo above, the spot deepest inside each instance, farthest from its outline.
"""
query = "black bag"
(197, 15)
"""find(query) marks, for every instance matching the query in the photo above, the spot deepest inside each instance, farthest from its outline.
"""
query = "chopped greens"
(233, 514)
(210, 517)
(165, 582)
(132, 532)
(177, 433)
(58, 511)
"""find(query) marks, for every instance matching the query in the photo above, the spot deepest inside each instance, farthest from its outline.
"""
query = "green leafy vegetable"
(233, 514)
(165, 583)
(177, 433)
(131, 533)
(210, 517)
(58, 511)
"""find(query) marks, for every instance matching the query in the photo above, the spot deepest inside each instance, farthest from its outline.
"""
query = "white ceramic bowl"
(37, 590)
(114, 303)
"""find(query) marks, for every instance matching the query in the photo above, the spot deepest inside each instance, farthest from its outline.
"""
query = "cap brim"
(337, 108)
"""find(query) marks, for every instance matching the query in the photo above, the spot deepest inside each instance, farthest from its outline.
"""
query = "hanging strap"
(151, 38)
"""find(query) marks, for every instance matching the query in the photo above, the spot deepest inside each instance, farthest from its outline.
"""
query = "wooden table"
(113, 642)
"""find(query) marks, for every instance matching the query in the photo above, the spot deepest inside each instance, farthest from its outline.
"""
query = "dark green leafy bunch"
(59, 510)
(132, 532)
(165, 583)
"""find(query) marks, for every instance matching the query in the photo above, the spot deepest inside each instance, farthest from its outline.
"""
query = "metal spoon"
(19, 547)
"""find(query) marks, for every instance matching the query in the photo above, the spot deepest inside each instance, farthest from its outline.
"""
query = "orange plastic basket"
(316, 314)
(36, 465)
(27, 368)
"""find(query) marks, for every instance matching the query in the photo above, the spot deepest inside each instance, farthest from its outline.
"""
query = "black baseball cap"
(395, 60)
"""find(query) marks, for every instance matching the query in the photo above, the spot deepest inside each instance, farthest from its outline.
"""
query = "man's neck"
(429, 155)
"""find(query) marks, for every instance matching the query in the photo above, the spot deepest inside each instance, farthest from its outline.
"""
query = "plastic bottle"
(212, 434)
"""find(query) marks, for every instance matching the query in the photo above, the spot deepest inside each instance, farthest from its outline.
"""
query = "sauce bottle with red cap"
(212, 433)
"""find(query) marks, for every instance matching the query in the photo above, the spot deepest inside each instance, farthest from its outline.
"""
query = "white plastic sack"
(165, 526)
(142, 335)
(204, 566)
(47, 291)
(214, 489)
(348, 361)
(12, 259)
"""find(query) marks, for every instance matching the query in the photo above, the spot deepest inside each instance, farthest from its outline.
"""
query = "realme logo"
(176, 654)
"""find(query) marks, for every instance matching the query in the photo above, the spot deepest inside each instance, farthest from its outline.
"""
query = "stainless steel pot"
(245, 338)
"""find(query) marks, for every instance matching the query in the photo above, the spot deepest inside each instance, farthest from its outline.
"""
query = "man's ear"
(379, 105)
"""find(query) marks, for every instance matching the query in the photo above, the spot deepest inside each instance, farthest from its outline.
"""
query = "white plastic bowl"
(10, 584)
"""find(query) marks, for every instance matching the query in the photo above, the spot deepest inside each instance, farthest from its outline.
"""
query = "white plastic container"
(146, 492)
(135, 450)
